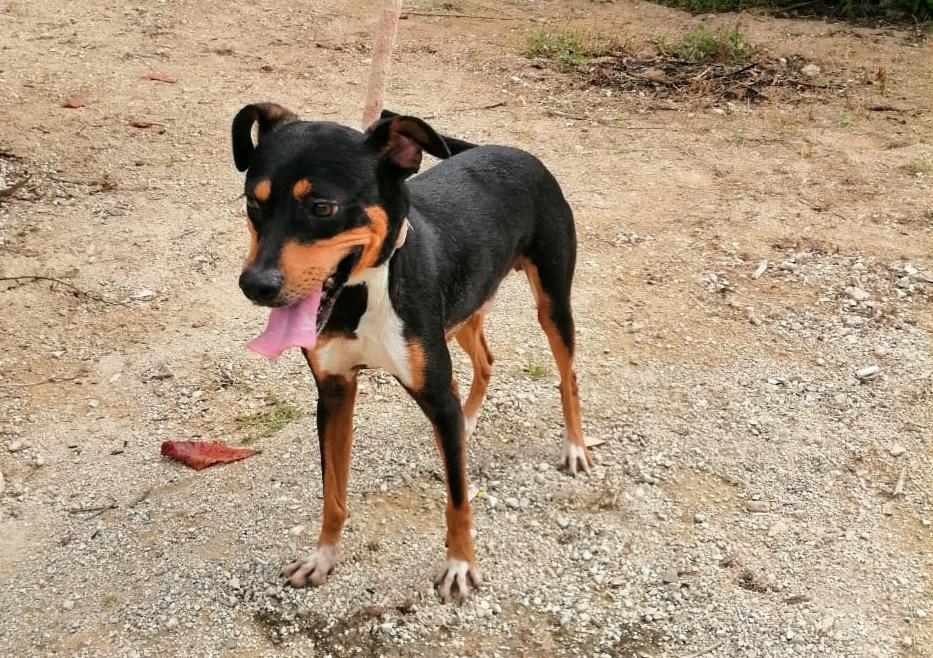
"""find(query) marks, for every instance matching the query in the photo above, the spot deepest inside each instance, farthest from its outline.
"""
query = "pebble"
(68, 605)
(296, 530)
(563, 522)
(492, 501)
(757, 506)
(512, 503)
(542, 467)
(16, 446)
(880, 351)
(868, 373)
(234, 583)
(810, 70)
(777, 528)
(172, 624)
(669, 576)
(896, 450)
(699, 518)
(38, 461)
(858, 294)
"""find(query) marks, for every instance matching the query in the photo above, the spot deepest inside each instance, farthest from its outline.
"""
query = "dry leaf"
(160, 77)
(74, 102)
(201, 454)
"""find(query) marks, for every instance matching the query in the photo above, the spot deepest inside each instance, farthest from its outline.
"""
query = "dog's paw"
(312, 569)
(575, 459)
(456, 579)
(469, 423)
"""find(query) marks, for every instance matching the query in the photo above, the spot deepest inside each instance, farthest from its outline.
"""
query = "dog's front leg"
(336, 398)
(438, 399)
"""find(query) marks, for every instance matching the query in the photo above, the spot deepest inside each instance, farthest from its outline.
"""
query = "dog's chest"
(378, 341)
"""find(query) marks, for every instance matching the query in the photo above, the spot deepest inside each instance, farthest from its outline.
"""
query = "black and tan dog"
(330, 210)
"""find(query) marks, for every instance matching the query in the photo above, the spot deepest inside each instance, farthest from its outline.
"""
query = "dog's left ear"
(399, 140)
(268, 115)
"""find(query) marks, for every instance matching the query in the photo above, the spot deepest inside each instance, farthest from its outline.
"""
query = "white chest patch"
(379, 342)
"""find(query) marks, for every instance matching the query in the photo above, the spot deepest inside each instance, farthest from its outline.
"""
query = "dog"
(365, 267)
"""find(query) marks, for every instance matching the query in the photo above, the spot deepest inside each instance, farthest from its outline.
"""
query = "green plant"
(570, 48)
(534, 368)
(702, 45)
(918, 166)
(266, 423)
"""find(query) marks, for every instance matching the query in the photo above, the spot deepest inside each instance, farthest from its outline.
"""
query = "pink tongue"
(289, 326)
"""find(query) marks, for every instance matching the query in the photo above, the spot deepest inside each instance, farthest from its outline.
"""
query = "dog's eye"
(324, 208)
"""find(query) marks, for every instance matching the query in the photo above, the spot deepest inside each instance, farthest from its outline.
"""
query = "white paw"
(575, 459)
(456, 579)
(469, 423)
(313, 568)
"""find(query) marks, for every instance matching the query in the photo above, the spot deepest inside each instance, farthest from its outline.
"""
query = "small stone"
(143, 294)
(234, 583)
(896, 450)
(512, 503)
(16, 446)
(858, 294)
(777, 528)
(881, 351)
(93, 404)
(563, 522)
(296, 531)
(699, 518)
(492, 501)
(888, 509)
(542, 467)
(68, 605)
(172, 624)
(670, 576)
(868, 373)
(921, 613)
(811, 70)
(38, 461)
(757, 506)
(789, 635)
(826, 624)
(903, 283)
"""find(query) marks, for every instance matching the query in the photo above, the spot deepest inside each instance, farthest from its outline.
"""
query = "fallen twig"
(30, 278)
(490, 106)
(54, 379)
(476, 16)
(703, 652)
(96, 510)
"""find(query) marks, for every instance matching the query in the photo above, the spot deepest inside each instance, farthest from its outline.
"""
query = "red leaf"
(139, 122)
(201, 454)
(74, 102)
(160, 77)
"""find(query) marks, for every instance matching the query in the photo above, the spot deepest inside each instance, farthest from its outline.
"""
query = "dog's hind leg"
(472, 339)
(550, 274)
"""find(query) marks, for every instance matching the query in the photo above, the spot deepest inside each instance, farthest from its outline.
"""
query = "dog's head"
(325, 202)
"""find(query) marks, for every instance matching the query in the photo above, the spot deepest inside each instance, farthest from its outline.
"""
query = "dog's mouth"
(299, 324)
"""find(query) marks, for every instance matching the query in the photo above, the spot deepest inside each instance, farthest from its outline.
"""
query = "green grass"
(266, 423)
(919, 166)
(845, 9)
(701, 45)
(570, 48)
(534, 368)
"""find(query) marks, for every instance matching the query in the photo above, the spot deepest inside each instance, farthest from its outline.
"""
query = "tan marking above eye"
(262, 190)
(301, 189)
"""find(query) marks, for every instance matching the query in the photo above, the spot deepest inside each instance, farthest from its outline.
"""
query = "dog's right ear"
(268, 115)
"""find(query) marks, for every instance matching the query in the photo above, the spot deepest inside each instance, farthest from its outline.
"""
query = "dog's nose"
(261, 286)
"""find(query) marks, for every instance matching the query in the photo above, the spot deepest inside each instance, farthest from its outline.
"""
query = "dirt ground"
(753, 496)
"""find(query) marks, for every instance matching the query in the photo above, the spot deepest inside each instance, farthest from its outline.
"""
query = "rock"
(826, 624)
(868, 373)
(858, 294)
(143, 294)
(811, 70)
(896, 450)
(296, 531)
(903, 283)
(68, 605)
(542, 467)
(234, 583)
(777, 528)
(16, 446)
(888, 509)
(670, 576)
(699, 518)
(172, 623)
(880, 351)
(492, 501)
(512, 503)
(563, 522)
(757, 506)
(38, 461)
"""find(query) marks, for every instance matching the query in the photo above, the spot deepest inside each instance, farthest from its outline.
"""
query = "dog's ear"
(268, 115)
(399, 140)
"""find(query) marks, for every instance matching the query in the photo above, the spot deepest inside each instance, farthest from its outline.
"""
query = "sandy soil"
(747, 498)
